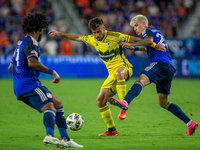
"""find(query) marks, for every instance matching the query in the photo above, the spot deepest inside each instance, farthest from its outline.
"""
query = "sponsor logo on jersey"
(108, 55)
(49, 95)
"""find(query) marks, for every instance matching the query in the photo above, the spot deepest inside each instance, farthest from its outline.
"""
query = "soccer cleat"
(71, 144)
(107, 133)
(122, 114)
(191, 128)
(121, 104)
(49, 140)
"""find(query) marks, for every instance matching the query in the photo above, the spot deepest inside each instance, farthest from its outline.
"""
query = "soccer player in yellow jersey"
(119, 68)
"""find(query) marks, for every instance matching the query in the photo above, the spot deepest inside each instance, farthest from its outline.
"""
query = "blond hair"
(139, 18)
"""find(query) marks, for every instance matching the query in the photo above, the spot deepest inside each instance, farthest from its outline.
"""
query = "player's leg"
(132, 93)
(163, 90)
(122, 75)
(176, 110)
(61, 123)
(40, 99)
(106, 112)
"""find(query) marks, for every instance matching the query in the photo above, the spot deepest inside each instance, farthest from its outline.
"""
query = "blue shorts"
(37, 97)
(161, 74)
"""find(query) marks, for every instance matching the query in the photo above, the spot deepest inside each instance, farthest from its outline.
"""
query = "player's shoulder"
(87, 37)
(112, 33)
(153, 30)
(31, 41)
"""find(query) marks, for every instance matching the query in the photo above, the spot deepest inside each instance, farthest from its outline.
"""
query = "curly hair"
(95, 23)
(34, 22)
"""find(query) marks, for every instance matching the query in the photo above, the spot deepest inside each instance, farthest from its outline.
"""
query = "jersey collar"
(105, 35)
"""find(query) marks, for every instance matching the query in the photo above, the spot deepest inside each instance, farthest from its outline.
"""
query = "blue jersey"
(25, 78)
(153, 54)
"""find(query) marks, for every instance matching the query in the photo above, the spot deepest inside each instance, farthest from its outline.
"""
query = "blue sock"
(133, 92)
(49, 121)
(61, 123)
(176, 110)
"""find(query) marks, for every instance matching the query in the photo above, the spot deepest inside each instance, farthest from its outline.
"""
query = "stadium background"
(178, 20)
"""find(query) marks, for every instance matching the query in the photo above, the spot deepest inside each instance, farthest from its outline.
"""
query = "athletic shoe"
(72, 144)
(49, 140)
(121, 104)
(191, 128)
(122, 114)
(107, 133)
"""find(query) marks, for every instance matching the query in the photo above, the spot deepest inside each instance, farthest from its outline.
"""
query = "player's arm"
(35, 64)
(10, 68)
(73, 37)
(148, 41)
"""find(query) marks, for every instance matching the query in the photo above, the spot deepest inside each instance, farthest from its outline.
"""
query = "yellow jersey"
(109, 50)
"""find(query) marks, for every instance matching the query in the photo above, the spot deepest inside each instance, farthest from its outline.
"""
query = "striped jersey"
(109, 50)
(25, 78)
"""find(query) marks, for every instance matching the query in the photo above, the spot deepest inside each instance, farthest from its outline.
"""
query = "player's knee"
(119, 75)
(48, 106)
(57, 102)
(100, 102)
(163, 105)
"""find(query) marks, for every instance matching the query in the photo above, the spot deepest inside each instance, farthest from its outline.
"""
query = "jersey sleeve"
(87, 39)
(31, 50)
(149, 33)
(124, 37)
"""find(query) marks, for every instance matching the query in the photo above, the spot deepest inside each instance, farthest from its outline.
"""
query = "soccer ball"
(75, 121)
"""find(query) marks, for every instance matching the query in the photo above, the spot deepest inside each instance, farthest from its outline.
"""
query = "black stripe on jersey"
(113, 33)
(120, 52)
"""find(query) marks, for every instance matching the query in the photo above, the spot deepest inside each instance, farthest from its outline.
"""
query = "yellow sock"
(121, 89)
(106, 116)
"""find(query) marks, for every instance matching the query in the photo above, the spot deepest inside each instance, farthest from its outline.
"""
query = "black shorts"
(37, 97)
(161, 74)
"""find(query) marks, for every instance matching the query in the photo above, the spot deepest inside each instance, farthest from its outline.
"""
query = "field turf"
(147, 126)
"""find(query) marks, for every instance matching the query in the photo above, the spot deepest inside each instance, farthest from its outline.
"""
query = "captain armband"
(153, 45)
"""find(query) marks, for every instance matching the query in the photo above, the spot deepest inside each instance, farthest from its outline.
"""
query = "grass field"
(147, 126)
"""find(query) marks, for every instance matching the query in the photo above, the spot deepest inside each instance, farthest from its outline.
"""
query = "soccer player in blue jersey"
(160, 71)
(25, 67)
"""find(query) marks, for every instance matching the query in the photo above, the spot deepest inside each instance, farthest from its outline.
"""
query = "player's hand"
(160, 47)
(125, 45)
(56, 77)
(54, 32)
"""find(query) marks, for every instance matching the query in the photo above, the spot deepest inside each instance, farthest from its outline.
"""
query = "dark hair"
(95, 23)
(34, 22)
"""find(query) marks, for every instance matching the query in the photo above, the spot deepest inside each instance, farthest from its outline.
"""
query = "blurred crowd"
(12, 13)
(166, 15)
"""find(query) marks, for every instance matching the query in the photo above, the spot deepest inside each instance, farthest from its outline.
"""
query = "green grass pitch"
(147, 126)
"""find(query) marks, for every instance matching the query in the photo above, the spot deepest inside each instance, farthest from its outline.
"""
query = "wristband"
(50, 71)
(153, 45)
(136, 48)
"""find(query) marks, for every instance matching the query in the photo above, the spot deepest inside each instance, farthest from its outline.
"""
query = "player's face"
(139, 26)
(99, 32)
